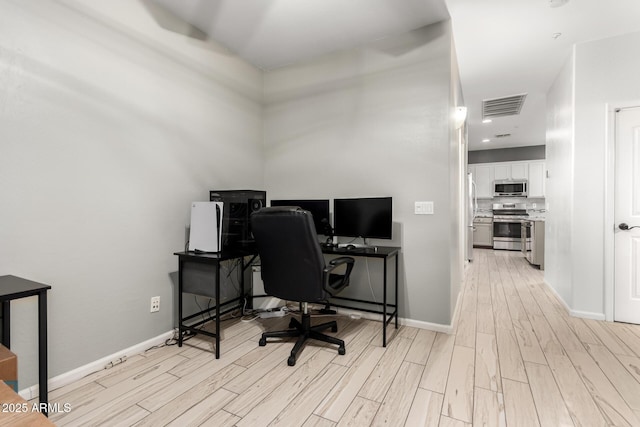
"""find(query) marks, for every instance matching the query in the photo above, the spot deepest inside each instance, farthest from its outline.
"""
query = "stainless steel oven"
(507, 226)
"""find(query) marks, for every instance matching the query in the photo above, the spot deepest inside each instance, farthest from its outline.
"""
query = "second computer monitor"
(319, 210)
(363, 217)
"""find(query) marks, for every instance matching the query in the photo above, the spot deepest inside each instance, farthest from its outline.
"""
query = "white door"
(627, 216)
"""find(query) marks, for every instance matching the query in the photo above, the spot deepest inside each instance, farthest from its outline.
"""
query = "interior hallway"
(517, 358)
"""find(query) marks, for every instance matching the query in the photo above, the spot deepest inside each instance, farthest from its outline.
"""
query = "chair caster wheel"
(291, 361)
(341, 351)
(334, 329)
(262, 342)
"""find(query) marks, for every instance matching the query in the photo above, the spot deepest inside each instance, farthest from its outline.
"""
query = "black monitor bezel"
(321, 228)
(339, 229)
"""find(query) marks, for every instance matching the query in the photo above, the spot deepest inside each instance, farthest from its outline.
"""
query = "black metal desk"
(211, 290)
(381, 252)
(12, 287)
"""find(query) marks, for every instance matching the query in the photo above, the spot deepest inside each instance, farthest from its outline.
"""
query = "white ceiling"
(504, 47)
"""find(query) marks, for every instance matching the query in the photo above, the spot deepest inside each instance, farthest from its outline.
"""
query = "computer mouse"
(350, 247)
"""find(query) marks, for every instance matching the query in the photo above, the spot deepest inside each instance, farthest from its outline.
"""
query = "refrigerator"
(472, 208)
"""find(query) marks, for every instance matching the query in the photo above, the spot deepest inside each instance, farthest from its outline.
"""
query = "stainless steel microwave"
(510, 188)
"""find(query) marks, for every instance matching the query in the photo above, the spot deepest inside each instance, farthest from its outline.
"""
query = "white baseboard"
(437, 327)
(75, 374)
(572, 312)
(456, 312)
(587, 315)
(359, 314)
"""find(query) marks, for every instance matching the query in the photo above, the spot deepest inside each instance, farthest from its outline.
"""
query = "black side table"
(12, 287)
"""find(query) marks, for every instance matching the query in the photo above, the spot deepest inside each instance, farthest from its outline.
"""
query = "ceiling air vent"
(500, 107)
(502, 135)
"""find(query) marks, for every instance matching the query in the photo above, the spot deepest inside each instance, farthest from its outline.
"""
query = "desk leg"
(6, 323)
(242, 295)
(180, 264)
(384, 305)
(217, 285)
(42, 351)
(397, 303)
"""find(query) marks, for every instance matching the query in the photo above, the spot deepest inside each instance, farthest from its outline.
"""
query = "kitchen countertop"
(530, 217)
(484, 213)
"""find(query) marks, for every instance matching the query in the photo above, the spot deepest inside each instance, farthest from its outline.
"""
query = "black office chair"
(294, 269)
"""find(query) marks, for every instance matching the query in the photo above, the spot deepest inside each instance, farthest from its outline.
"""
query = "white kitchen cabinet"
(520, 170)
(483, 232)
(501, 171)
(484, 181)
(511, 170)
(485, 173)
(537, 174)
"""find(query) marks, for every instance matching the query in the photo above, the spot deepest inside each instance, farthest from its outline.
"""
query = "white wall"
(458, 148)
(560, 187)
(605, 74)
(375, 121)
(110, 125)
(112, 120)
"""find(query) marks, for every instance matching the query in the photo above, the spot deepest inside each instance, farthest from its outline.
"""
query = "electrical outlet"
(155, 304)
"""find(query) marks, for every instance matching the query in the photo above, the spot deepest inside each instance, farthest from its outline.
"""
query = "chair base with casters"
(294, 269)
(304, 331)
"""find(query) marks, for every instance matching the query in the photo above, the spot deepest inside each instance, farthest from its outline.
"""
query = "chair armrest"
(333, 264)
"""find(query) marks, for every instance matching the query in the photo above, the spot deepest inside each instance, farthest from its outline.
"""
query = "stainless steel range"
(507, 220)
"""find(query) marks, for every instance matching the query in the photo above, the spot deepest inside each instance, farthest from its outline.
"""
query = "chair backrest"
(290, 255)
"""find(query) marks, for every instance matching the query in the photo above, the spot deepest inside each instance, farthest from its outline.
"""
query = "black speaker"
(255, 205)
(238, 207)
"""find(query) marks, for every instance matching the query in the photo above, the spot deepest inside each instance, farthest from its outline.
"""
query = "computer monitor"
(319, 210)
(363, 217)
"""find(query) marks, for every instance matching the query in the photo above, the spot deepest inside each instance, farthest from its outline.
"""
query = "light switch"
(423, 208)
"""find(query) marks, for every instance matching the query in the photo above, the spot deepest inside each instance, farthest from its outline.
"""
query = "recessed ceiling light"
(486, 140)
(486, 121)
(557, 3)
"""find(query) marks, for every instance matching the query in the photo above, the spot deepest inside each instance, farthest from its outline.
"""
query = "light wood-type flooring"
(517, 359)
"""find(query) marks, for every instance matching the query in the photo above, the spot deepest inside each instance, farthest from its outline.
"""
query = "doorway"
(626, 215)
